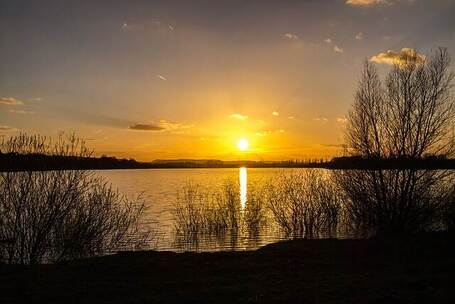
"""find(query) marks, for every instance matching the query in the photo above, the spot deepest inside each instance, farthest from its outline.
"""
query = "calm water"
(159, 188)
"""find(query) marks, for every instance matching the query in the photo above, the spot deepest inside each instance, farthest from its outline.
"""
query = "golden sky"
(188, 79)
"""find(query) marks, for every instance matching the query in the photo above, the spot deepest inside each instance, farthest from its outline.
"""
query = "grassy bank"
(406, 270)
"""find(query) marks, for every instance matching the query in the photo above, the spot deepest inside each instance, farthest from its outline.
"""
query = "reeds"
(304, 204)
(199, 211)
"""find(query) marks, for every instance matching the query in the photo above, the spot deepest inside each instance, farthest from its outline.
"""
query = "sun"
(243, 144)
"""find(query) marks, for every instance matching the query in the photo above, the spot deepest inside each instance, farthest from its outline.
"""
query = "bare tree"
(409, 115)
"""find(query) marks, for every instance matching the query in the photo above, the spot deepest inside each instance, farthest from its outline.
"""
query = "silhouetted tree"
(409, 115)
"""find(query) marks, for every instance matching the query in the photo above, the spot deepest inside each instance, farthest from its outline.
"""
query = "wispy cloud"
(161, 126)
(337, 49)
(129, 27)
(368, 3)
(238, 116)
(291, 36)
(11, 101)
(146, 127)
(392, 57)
(6, 128)
(342, 120)
(321, 119)
(263, 133)
(21, 112)
(275, 113)
(176, 127)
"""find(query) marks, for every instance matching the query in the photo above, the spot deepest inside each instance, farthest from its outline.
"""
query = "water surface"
(159, 188)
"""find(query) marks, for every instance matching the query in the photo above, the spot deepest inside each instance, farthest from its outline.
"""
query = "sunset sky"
(189, 79)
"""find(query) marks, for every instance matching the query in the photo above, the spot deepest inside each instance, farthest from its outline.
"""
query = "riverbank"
(417, 269)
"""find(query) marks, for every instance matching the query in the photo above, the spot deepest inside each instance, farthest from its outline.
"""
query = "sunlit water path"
(159, 188)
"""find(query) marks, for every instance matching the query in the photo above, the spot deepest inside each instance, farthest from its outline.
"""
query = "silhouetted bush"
(305, 204)
(382, 202)
(59, 215)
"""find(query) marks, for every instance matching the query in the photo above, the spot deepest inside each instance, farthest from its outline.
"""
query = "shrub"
(50, 216)
(304, 204)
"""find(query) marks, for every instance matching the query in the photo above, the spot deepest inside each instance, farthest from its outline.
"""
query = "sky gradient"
(188, 79)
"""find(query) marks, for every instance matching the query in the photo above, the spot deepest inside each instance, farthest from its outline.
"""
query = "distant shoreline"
(38, 162)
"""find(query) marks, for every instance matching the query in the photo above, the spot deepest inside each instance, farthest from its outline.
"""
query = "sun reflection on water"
(243, 186)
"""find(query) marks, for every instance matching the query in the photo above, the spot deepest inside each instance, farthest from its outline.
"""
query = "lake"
(159, 188)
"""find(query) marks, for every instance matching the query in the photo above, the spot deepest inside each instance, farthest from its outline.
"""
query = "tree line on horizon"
(13, 161)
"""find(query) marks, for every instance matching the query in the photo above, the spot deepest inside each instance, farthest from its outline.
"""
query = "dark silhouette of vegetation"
(305, 204)
(405, 121)
(408, 115)
(41, 162)
(50, 216)
(205, 214)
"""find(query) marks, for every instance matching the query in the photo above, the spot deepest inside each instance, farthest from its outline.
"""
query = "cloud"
(11, 101)
(291, 117)
(238, 116)
(145, 127)
(128, 27)
(291, 36)
(263, 133)
(21, 112)
(321, 119)
(161, 77)
(359, 36)
(161, 126)
(367, 3)
(275, 113)
(337, 49)
(176, 127)
(392, 57)
(342, 120)
(6, 128)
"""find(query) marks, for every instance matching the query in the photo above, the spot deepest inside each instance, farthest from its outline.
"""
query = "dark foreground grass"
(419, 269)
